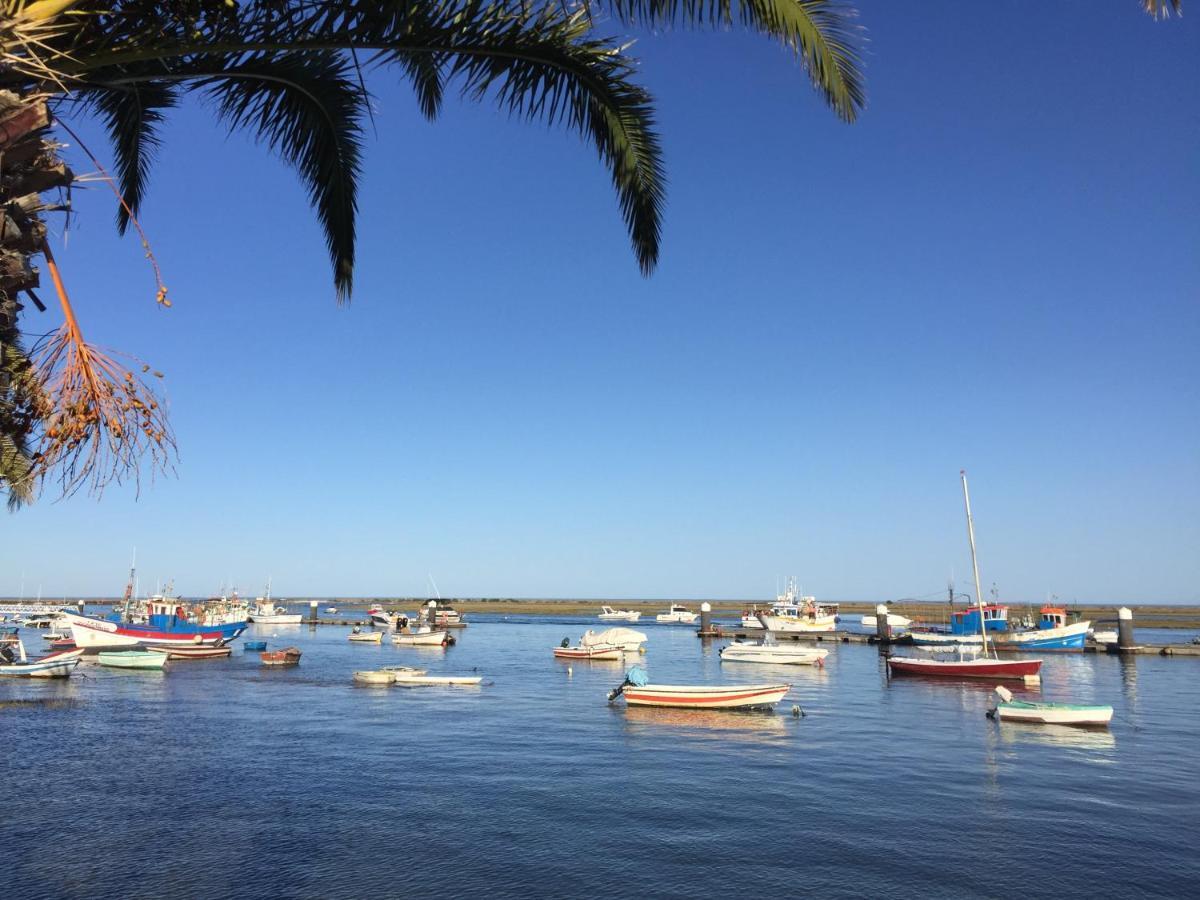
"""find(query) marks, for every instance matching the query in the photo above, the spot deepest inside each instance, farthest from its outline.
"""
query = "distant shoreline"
(1148, 615)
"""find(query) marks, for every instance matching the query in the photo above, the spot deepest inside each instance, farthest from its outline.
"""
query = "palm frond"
(824, 34)
(132, 114)
(308, 108)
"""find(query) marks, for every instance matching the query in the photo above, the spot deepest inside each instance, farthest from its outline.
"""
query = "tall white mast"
(974, 562)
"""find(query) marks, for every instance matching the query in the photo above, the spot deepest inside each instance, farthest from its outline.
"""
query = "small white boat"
(133, 659)
(420, 637)
(1011, 710)
(678, 614)
(366, 637)
(774, 653)
(1104, 637)
(413, 680)
(14, 662)
(596, 651)
(626, 638)
(375, 676)
(608, 614)
(331, 610)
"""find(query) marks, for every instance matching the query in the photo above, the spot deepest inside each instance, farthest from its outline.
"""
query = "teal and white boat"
(1011, 710)
(133, 659)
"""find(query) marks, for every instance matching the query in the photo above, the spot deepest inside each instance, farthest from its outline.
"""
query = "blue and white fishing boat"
(965, 626)
(1052, 633)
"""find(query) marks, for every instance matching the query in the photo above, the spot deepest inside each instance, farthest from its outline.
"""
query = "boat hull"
(1055, 714)
(942, 639)
(52, 665)
(375, 677)
(596, 651)
(289, 656)
(193, 652)
(778, 656)
(965, 668)
(423, 639)
(133, 659)
(738, 696)
(416, 680)
(277, 619)
(787, 623)
(100, 634)
(367, 637)
(1063, 637)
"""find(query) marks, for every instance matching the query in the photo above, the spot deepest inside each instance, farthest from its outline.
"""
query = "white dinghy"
(626, 638)
(1011, 710)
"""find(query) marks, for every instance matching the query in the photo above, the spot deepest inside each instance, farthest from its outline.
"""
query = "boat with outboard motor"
(14, 661)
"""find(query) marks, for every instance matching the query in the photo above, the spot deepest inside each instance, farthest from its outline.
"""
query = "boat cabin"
(1052, 617)
(966, 621)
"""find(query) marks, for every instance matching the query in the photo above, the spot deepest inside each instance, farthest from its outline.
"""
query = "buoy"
(641, 649)
(570, 671)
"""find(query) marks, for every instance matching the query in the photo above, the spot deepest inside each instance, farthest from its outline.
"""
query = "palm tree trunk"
(28, 166)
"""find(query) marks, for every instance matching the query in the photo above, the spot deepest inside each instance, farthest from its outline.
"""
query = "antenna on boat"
(435, 587)
(974, 561)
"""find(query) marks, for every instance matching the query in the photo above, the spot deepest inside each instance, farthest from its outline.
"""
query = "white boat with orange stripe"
(638, 691)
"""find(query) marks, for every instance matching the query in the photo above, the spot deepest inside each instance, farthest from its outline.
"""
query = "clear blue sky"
(996, 268)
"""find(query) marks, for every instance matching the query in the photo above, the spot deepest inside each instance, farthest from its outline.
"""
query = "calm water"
(222, 779)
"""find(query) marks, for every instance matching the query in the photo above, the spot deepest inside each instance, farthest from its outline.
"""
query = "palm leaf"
(822, 33)
(132, 114)
(308, 108)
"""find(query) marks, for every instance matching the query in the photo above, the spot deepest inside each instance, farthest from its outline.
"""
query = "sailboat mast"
(974, 561)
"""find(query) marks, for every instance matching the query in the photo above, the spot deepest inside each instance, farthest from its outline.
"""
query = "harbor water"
(227, 779)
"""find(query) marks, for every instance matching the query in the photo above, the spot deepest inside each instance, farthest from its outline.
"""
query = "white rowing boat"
(637, 691)
(420, 638)
(367, 637)
(377, 676)
(596, 651)
(773, 653)
(1044, 713)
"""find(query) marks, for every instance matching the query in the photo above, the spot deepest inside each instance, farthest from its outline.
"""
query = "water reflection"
(746, 725)
(1076, 738)
(1129, 679)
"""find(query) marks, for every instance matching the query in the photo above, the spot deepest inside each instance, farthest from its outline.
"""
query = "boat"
(40, 620)
(626, 638)
(221, 652)
(418, 680)
(771, 651)
(637, 691)
(421, 636)
(254, 646)
(366, 637)
(608, 614)
(678, 614)
(381, 617)
(1106, 637)
(331, 610)
(441, 615)
(1010, 710)
(964, 667)
(288, 656)
(979, 667)
(67, 643)
(266, 612)
(402, 670)
(132, 659)
(894, 621)
(167, 628)
(14, 662)
(596, 651)
(1052, 633)
(375, 676)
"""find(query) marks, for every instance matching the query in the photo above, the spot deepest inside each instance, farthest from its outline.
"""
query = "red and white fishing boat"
(595, 651)
(194, 652)
(980, 667)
